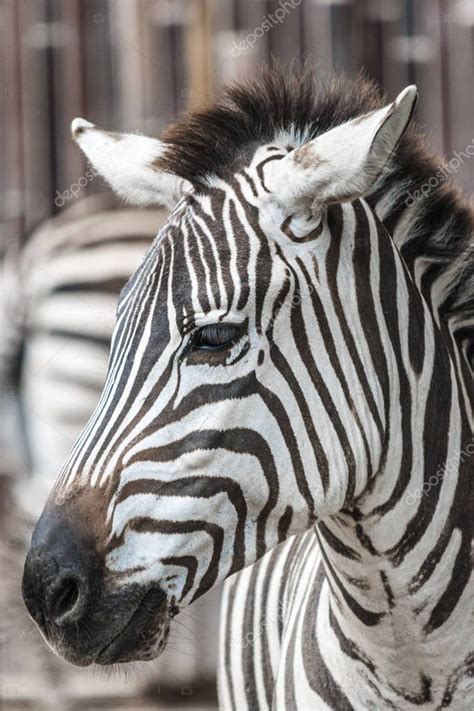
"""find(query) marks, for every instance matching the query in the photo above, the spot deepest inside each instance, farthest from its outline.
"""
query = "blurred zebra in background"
(57, 307)
(61, 293)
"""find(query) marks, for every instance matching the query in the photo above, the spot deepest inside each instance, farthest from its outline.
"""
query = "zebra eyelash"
(234, 337)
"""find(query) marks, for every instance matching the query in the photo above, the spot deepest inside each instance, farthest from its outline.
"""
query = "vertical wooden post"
(199, 52)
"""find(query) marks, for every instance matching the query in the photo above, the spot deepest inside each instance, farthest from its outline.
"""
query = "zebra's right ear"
(345, 162)
(127, 161)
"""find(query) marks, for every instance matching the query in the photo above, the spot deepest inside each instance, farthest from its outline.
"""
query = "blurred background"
(136, 65)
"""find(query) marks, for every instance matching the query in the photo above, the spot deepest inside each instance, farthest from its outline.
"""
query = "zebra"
(288, 405)
(59, 295)
(58, 309)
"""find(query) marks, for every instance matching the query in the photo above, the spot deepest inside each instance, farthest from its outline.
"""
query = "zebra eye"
(216, 337)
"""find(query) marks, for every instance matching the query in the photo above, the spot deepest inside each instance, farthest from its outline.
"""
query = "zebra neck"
(398, 563)
(392, 611)
(398, 566)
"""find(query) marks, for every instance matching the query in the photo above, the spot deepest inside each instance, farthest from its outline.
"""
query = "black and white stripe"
(59, 305)
(59, 301)
(345, 391)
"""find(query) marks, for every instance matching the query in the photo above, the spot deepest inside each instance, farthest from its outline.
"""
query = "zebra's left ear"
(127, 162)
(344, 163)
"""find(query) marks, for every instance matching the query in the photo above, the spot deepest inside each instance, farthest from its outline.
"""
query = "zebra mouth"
(143, 636)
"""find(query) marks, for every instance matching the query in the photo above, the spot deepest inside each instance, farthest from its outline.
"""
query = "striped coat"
(58, 306)
(291, 364)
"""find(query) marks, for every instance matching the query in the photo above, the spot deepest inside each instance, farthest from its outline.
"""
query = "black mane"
(221, 139)
(217, 140)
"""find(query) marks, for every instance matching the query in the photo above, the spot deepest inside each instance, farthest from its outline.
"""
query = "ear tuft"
(408, 96)
(393, 125)
(79, 125)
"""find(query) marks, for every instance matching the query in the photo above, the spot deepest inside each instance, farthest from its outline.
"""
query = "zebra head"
(239, 406)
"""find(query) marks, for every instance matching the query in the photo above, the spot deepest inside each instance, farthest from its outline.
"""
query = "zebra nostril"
(61, 574)
(66, 600)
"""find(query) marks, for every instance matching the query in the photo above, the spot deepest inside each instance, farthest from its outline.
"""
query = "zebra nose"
(68, 599)
(58, 575)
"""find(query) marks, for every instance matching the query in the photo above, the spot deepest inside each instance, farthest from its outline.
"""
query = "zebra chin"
(86, 614)
(144, 636)
(141, 637)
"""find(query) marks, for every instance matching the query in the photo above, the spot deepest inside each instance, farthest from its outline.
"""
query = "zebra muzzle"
(87, 616)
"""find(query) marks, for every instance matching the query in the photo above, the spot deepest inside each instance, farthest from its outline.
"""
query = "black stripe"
(90, 338)
(113, 285)
(316, 671)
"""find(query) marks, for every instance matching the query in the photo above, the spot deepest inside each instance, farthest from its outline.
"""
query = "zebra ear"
(127, 162)
(344, 163)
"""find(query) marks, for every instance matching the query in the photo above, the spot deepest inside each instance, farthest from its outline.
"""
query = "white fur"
(343, 163)
(126, 161)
